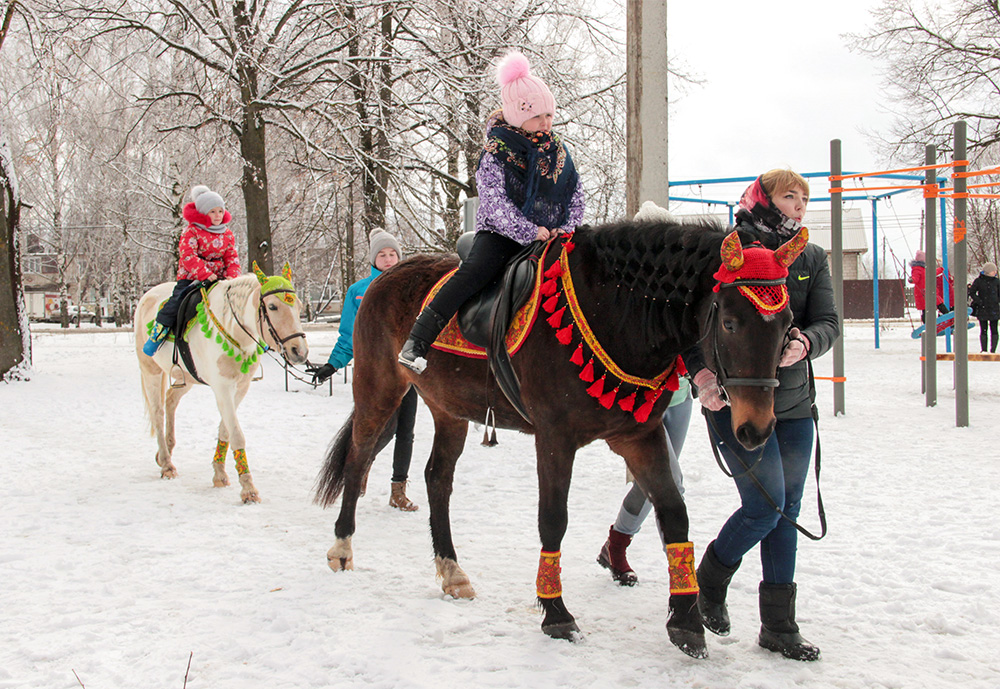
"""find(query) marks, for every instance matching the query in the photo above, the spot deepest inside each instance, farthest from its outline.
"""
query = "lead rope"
(748, 471)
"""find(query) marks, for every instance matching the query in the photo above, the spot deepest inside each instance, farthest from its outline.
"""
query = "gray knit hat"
(379, 239)
(205, 199)
(990, 268)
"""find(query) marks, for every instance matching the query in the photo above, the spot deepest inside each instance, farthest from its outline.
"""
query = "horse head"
(746, 327)
(278, 316)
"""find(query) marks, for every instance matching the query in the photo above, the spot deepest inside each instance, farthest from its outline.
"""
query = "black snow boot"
(713, 583)
(778, 630)
(428, 326)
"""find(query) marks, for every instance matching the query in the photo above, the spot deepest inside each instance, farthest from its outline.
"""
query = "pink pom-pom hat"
(523, 96)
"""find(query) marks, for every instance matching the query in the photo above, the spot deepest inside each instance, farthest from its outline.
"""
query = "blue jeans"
(782, 472)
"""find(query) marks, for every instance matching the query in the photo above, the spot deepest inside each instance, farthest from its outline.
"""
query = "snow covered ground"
(113, 578)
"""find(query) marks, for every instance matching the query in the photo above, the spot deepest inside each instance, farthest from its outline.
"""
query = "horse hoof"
(689, 642)
(340, 564)
(461, 591)
(250, 498)
(563, 630)
(220, 482)
(168, 472)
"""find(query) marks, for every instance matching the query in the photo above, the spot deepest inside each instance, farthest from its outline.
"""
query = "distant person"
(771, 211)
(528, 190)
(984, 296)
(383, 254)
(917, 273)
(207, 251)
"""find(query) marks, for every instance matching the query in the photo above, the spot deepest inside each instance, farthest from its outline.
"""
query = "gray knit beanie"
(990, 268)
(379, 239)
(205, 199)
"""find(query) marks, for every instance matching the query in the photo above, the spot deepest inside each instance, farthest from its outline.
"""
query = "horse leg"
(555, 470)
(153, 382)
(226, 397)
(647, 457)
(219, 477)
(173, 398)
(439, 474)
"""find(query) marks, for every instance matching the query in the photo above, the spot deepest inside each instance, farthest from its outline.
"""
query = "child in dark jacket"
(207, 252)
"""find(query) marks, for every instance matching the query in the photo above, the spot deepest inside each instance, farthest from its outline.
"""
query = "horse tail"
(330, 481)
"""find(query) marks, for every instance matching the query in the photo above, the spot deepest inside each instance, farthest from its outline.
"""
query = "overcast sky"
(779, 84)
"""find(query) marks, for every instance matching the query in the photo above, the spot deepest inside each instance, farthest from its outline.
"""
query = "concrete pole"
(930, 283)
(961, 266)
(837, 273)
(646, 93)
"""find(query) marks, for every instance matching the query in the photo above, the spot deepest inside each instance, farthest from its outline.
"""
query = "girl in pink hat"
(528, 190)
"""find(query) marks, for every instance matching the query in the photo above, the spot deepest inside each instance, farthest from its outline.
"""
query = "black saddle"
(485, 317)
(187, 310)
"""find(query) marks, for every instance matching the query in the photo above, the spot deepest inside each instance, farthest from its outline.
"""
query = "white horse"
(240, 318)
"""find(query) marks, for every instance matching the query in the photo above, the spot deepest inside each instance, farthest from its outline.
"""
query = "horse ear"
(261, 278)
(286, 272)
(732, 252)
(786, 254)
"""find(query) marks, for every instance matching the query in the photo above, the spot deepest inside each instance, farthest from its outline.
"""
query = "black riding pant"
(402, 451)
(992, 325)
(489, 254)
(167, 315)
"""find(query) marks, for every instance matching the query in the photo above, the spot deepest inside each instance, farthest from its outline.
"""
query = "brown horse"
(619, 303)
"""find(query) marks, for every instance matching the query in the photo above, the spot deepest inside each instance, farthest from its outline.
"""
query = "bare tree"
(15, 337)
(942, 64)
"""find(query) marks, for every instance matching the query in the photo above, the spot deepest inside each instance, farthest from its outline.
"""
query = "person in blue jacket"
(384, 253)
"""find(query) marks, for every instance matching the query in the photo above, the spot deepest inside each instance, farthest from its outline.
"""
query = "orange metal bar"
(835, 379)
(978, 173)
(841, 190)
(837, 178)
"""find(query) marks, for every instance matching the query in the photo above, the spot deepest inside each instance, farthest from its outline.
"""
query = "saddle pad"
(452, 341)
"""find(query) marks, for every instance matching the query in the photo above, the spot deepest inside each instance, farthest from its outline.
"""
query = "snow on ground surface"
(113, 574)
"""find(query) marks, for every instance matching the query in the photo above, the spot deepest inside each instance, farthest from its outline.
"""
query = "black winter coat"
(984, 296)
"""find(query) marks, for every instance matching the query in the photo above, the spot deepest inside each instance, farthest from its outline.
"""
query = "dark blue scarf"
(539, 175)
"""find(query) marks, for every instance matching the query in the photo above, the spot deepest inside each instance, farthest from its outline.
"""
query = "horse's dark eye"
(272, 307)
(729, 325)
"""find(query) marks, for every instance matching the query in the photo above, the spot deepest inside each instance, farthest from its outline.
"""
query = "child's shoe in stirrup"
(156, 338)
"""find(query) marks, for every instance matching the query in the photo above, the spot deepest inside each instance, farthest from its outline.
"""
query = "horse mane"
(657, 269)
(240, 290)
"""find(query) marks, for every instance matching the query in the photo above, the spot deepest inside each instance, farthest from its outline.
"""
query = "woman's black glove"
(321, 373)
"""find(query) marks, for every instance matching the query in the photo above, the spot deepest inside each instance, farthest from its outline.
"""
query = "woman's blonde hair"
(777, 182)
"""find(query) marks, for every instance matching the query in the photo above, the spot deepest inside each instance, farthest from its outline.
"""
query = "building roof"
(855, 237)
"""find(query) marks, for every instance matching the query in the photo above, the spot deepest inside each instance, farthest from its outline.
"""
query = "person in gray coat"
(771, 212)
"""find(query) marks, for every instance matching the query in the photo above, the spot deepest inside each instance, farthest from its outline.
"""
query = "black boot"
(778, 630)
(612, 557)
(713, 582)
(428, 326)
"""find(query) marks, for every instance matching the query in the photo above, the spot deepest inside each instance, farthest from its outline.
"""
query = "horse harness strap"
(749, 471)
(723, 378)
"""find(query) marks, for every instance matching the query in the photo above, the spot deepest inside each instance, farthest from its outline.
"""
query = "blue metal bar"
(946, 293)
(875, 272)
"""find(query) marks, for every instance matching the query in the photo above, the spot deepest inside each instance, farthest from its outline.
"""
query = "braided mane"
(656, 269)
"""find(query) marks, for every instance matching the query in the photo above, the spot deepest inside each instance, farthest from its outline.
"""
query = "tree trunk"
(15, 340)
(253, 149)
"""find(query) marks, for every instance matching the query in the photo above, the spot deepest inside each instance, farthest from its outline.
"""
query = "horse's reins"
(723, 379)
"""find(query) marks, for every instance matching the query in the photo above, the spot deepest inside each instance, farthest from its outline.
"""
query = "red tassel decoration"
(597, 389)
(555, 320)
(673, 383)
(549, 288)
(565, 336)
(568, 247)
(627, 403)
(681, 367)
(554, 271)
(577, 357)
(608, 398)
(642, 413)
(587, 374)
(551, 303)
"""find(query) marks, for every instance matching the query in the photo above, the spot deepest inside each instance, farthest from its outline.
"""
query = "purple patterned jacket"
(497, 213)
